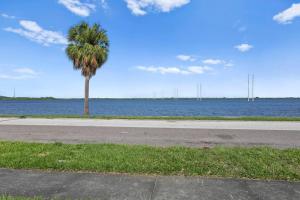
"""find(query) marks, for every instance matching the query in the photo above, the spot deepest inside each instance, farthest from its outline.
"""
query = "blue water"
(156, 107)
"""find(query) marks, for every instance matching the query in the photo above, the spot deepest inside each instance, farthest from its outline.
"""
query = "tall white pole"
(200, 92)
(197, 92)
(252, 87)
(176, 93)
(248, 87)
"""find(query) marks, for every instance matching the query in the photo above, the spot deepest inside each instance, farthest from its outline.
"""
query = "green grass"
(252, 163)
(18, 198)
(258, 118)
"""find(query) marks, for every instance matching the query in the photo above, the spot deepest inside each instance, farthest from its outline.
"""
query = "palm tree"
(88, 50)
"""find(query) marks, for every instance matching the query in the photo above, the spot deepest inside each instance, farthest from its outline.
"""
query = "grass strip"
(19, 198)
(252, 163)
(244, 118)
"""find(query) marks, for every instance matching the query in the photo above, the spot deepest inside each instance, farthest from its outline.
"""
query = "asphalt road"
(191, 134)
(57, 185)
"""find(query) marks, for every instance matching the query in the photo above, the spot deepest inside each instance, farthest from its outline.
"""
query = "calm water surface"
(156, 107)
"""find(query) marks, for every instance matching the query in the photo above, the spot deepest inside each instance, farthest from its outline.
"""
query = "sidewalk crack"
(153, 190)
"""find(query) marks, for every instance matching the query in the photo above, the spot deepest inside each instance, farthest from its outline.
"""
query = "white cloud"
(32, 31)
(25, 70)
(163, 70)
(228, 65)
(176, 70)
(140, 7)
(104, 4)
(20, 74)
(7, 16)
(213, 61)
(199, 69)
(287, 16)
(77, 7)
(31, 26)
(243, 47)
(186, 58)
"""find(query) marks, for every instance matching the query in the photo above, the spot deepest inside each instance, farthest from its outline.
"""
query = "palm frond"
(88, 47)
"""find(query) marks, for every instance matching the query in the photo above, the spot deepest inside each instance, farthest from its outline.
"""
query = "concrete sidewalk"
(187, 124)
(98, 186)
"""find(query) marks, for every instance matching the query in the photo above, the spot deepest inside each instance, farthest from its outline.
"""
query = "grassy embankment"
(251, 163)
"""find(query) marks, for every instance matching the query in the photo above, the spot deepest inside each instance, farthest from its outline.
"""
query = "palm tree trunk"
(86, 95)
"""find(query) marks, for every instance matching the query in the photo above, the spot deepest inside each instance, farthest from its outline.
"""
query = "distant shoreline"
(167, 98)
(27, 98)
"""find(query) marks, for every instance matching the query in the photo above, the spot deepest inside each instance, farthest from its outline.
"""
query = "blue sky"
(156, 46)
